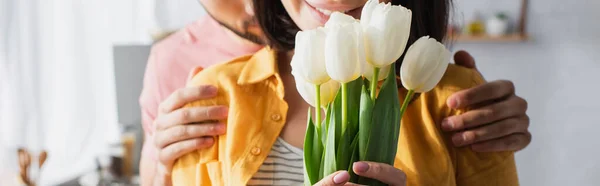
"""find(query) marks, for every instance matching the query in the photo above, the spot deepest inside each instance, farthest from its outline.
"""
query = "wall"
(176, 14)
(558, 73)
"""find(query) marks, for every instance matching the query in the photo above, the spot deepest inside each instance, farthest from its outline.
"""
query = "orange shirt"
(253, 89)
(201, 43)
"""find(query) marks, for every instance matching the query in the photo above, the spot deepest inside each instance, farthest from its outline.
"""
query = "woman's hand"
(378, 171)
(183, 130)
(498, 120)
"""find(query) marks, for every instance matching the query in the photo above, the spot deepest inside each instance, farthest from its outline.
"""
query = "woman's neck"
(295, 126)
(283, 63)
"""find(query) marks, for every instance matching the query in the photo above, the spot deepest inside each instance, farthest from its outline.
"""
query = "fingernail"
(458, 139)
(221, 127)
(361, 166)
(468, 137)
(224, 111)
(453, 102)
(210, 90)
(447, 124)
(206, 140)
(341, 177)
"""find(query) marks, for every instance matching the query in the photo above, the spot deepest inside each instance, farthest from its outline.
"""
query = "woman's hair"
(429, 18)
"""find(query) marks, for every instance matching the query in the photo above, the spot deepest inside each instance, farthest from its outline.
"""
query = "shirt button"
(276, 117)
(255, 151)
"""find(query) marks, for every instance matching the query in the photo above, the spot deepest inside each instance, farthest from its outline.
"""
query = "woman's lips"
(322, 14)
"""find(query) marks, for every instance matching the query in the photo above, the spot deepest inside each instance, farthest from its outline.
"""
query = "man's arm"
(171, 131)
(497, 120)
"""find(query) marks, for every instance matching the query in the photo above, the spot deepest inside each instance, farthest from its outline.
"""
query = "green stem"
(406, 102)
(374, 82)
(344, 106)
(318, 106)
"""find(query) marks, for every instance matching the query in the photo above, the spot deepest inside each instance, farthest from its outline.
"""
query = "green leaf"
(313, 152)
(386, 118)
(382, 142)
(354, 94)
(353, 158)
(337, 147)
(325, 124)
(365, 118)
(336, 117)
(329, 163)
(322, 166)
(345, 150)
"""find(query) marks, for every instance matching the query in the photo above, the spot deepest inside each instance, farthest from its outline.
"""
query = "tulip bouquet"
(337, 68)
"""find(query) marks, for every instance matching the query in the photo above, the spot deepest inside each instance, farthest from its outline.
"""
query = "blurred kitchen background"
(71, 72)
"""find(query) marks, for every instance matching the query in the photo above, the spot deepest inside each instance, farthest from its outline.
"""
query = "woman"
(267, 116)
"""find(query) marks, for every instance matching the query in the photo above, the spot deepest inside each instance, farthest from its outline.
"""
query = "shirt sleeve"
(491, 168)
(149, 101)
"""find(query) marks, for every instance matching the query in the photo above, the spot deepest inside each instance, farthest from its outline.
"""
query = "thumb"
(464, 59)
(336, 179)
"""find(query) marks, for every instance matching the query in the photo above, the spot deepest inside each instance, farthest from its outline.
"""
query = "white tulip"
(344, 49)
(386, 28)
(424, 65)
(339, 19)
(383, 72)
(308, 91)
(309, 56)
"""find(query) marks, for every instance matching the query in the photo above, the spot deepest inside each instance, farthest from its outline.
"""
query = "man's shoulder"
(458, 78)
(216, 74)
(189, 35)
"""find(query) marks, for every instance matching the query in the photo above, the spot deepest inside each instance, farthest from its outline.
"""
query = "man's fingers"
(492, 131)
(482, 93)
(379, 171)
(185, 95)
(336, 179)
(514, 142)
(513, 106)
(185, 132)
(168, 154)
(191, 115)
(464, 59)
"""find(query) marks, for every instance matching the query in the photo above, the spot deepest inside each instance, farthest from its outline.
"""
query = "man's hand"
(379, 171)
(183, 130)
(497, 120)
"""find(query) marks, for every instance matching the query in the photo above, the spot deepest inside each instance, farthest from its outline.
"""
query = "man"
(498, 122)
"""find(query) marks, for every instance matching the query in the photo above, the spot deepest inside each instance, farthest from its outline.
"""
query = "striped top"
(283, 166)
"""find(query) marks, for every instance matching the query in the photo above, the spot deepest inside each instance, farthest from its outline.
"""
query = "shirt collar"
(262, 65)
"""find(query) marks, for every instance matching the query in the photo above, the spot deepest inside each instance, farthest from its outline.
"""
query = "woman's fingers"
(185, 132)
(186, 95)
(335, 179)
(191, 115)
(171, 152)
(380, 171)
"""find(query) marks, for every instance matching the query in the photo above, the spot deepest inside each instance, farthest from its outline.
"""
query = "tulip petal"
(424, 65)
(367, 11)
(438, 71)
(383, 72)
(344, 57)
(339, 19)
(387, 29)
(308, 61)
(307, 91)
